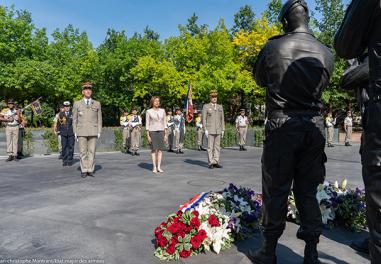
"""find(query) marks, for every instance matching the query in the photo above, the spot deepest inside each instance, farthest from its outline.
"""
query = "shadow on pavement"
(345, 237)
(144, 165)
(197, 162)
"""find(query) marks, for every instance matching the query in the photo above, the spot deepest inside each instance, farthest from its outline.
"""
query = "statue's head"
(294, 13)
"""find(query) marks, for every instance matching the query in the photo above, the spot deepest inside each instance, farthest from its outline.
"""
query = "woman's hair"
(153, 100)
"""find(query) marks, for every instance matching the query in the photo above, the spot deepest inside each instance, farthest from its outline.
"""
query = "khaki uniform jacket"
(213, 119)
(87, 119)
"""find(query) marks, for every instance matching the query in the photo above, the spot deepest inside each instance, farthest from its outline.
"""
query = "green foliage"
(51, 140)
(27, 144)
(273, 10)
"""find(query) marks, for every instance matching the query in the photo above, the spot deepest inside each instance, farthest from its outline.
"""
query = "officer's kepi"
(289, 5)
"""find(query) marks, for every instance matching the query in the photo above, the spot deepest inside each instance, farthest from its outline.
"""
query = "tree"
(273, 10)
(244, 19)
(150, 34)
(193, 28)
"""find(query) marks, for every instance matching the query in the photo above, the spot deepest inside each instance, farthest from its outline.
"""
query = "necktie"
(87, 101)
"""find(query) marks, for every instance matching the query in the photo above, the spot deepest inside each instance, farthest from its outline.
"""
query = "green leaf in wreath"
(187, 247)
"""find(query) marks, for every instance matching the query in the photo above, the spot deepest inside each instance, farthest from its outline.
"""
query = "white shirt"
(87, 101)
(241, 121)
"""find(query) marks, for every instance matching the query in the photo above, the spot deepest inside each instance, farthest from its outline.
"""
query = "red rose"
(202, 234)
(185, 253)
(196, 242)
(173, 228)
(195, 222)
(172, 247)
(195, 213)
(181, 233)
(213, 221)
(162, 241)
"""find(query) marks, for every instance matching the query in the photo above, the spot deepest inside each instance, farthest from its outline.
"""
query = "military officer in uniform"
(87, 127)
(200, 131)
(348, 124)
(136, 128)
(171, 130)
(241, 124)
(294, 68)
(20, 144)
(65, 128)
(213, 121)
(330, 124)
(179, 130)
(126, 130)
(12, 121)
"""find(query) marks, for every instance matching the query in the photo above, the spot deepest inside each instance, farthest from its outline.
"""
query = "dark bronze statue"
(294, 68)
(356, 78)
(361, 30)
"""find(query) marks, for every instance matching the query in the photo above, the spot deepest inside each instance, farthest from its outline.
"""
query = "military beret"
(87, 85)
(10, 101)
(242, 110)
(213, 93)
(289, 5)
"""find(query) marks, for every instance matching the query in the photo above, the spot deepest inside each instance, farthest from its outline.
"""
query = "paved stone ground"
(48, 211)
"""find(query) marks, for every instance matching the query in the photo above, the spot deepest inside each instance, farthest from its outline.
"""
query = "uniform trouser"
(330, 132)
(135, 139)
(87, 148)
(200, 137)
(214, 148)
(20, 143)
(371, 151)
(242, 135)
(179, 139)
(293, 155)
(67, 148)
(12, 135)
(348, 134)
(59, 143)
(126, 134)
(170, 137)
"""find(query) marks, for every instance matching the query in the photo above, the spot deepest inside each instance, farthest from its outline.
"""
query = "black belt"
(291, 113)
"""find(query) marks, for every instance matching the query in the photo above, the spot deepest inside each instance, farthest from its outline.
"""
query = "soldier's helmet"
(289, 5)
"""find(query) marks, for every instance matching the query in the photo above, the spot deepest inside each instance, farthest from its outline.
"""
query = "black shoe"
(70, 163)
(83, 174)
(128, 151)
(361, 246)
(265, 254)
(240, 148)
(177, 151)
(90, 174)
(10, 158)
(258, 257)
(60, 156)
(65, 164)
(211, 166)
(137, 153)
(311, 255)
(199, 148)
(203, 149)
(15, 158)
(347, 144)
(181, 152)
(170, 150)
(132, 153)
(19, 154)
(244, 149)
(218, 166)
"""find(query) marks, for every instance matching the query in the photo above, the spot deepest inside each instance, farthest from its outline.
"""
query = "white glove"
(76, 138)
(206, 133)
(222, 134)
(99, 135)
